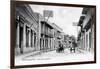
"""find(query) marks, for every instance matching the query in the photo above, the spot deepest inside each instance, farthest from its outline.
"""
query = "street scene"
(53, 34)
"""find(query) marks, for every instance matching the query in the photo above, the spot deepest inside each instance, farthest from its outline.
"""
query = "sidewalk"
(85, 52)
(19, 57)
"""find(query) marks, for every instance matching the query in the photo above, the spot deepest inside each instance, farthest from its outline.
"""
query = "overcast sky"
(62, 16)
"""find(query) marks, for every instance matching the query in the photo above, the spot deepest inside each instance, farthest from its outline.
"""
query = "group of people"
(60, 48)
(72, 47)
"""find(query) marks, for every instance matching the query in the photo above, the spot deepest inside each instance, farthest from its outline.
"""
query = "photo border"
(13, 33)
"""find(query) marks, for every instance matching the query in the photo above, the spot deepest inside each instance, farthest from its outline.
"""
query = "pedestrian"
(58, 49)
(74, 45)
(70, 47)
(62, 48)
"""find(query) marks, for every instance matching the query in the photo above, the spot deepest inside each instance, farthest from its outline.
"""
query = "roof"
(57, 27)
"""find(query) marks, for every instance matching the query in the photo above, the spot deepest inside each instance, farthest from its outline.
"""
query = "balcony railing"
(86, 20)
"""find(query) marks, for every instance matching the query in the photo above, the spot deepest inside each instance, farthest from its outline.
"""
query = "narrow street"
(44, 37)
(53, 56)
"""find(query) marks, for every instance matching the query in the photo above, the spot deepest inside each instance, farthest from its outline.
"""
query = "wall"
(5, 33)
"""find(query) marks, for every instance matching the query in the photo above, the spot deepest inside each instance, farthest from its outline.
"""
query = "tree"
(73, 38)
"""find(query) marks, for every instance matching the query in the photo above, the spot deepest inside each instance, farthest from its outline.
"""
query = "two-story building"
(86, 33)
(26, 29)
(57, 35)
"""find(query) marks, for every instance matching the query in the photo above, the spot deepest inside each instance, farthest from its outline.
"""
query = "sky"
(64, 17)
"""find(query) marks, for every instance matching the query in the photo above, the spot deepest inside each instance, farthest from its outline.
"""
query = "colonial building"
(26, 29)
(34, 32)
(50, 34)
(86, 33)
(57, 35)
(66, 40)
(46, 34)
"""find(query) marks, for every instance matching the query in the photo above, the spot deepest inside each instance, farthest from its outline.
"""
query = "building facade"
(50, 35)
(34, 32)
(57, 35)
(66, 40)
(26, 29)
(86, 33)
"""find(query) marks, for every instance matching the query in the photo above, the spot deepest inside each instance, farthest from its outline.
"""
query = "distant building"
(66, 40)
(86, 33)
(57, 35)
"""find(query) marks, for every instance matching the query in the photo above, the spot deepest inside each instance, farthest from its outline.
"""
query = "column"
(29, 37)
(44, 36)
(17, 36)
(85, 40)
(33, 40)
(48, 43)
(36, 42)
(43, 42)
(88, 41)
(38, 35)
(51, 44)
(93, 37)
(17, 49)
(24, 38)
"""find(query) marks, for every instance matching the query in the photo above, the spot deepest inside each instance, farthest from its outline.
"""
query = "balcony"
(87, 19)
(81, 20)
(58, 36)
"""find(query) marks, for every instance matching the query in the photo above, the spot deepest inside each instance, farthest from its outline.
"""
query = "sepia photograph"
(46, 33)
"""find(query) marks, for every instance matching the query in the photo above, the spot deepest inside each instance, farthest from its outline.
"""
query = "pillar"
(51, 44)
(48, 43)
(24, 38)
(17, 36)
(43, 42)
(85, 40)
(92, 37)
(29, 37)
(17, 49)
(38, 36)
(33, 39)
